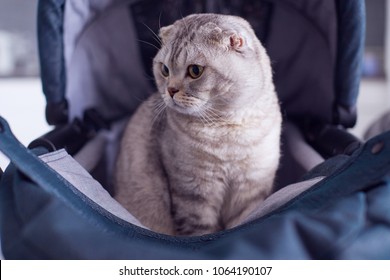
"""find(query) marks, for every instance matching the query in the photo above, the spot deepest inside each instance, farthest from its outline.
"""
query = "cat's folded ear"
(165, 33)
(229, 39)
(236, 42)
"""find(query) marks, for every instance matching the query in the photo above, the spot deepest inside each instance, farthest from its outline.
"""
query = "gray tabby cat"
(202, 153)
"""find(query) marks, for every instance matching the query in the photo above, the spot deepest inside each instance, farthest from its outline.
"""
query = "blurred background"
(23, 105)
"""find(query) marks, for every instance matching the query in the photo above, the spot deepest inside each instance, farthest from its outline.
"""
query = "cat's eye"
(195, 71)
(164, 70)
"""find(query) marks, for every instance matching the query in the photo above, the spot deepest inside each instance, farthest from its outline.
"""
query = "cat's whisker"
(212, 117)
(155, 36)
(157, 119)
(150, 44)
(213, 113)
(216, 111)
(209, 122)
(184, 22)
(159, 20)
(202, 116)
(222, 119)
(147, 77)
(159, 109)
(159, 105)
(205, 100)
(202, 119)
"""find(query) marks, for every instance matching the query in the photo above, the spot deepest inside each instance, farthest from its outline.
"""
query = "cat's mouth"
(185, 104)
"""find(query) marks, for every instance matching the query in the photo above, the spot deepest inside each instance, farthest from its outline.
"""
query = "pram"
(332, 194)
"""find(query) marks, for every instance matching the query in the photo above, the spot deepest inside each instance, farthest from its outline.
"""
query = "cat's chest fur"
(230, 152)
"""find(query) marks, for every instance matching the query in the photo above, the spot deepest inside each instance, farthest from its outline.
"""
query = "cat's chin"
(177, 107)
(190, 111)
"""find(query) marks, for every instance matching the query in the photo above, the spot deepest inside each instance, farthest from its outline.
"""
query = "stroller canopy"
(99, 53)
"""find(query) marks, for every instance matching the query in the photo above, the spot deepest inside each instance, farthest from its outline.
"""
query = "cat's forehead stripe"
(176, 49)
(180, 47)
(185, 34)
(181, 50)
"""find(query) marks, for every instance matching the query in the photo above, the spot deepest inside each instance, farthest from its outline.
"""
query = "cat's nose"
(172, 91)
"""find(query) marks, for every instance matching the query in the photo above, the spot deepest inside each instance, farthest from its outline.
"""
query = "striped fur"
(202, 159)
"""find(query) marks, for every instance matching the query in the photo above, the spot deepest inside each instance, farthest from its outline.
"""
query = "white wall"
(22, 104)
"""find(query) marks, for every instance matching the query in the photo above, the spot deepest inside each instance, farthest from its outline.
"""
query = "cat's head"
(210, 63)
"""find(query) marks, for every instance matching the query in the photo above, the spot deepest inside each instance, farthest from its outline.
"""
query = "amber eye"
(195, 71)
(164, 70)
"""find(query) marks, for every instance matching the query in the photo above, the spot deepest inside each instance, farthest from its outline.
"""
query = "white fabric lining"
(281, 197)
(304, 154)
(75, 174)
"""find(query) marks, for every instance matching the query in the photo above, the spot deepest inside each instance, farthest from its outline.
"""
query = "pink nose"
(172, 91)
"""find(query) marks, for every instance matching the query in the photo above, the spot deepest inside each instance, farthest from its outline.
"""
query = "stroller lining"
(74, 173)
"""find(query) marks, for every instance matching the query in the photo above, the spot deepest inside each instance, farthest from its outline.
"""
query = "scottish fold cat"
(201, 154)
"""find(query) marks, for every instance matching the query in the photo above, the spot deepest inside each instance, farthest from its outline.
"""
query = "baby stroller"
(332, 194)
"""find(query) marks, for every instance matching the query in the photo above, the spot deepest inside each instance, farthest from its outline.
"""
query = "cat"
(201, 154)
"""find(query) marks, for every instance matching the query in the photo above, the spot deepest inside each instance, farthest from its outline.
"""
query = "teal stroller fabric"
(344, 216)
(333, 194)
